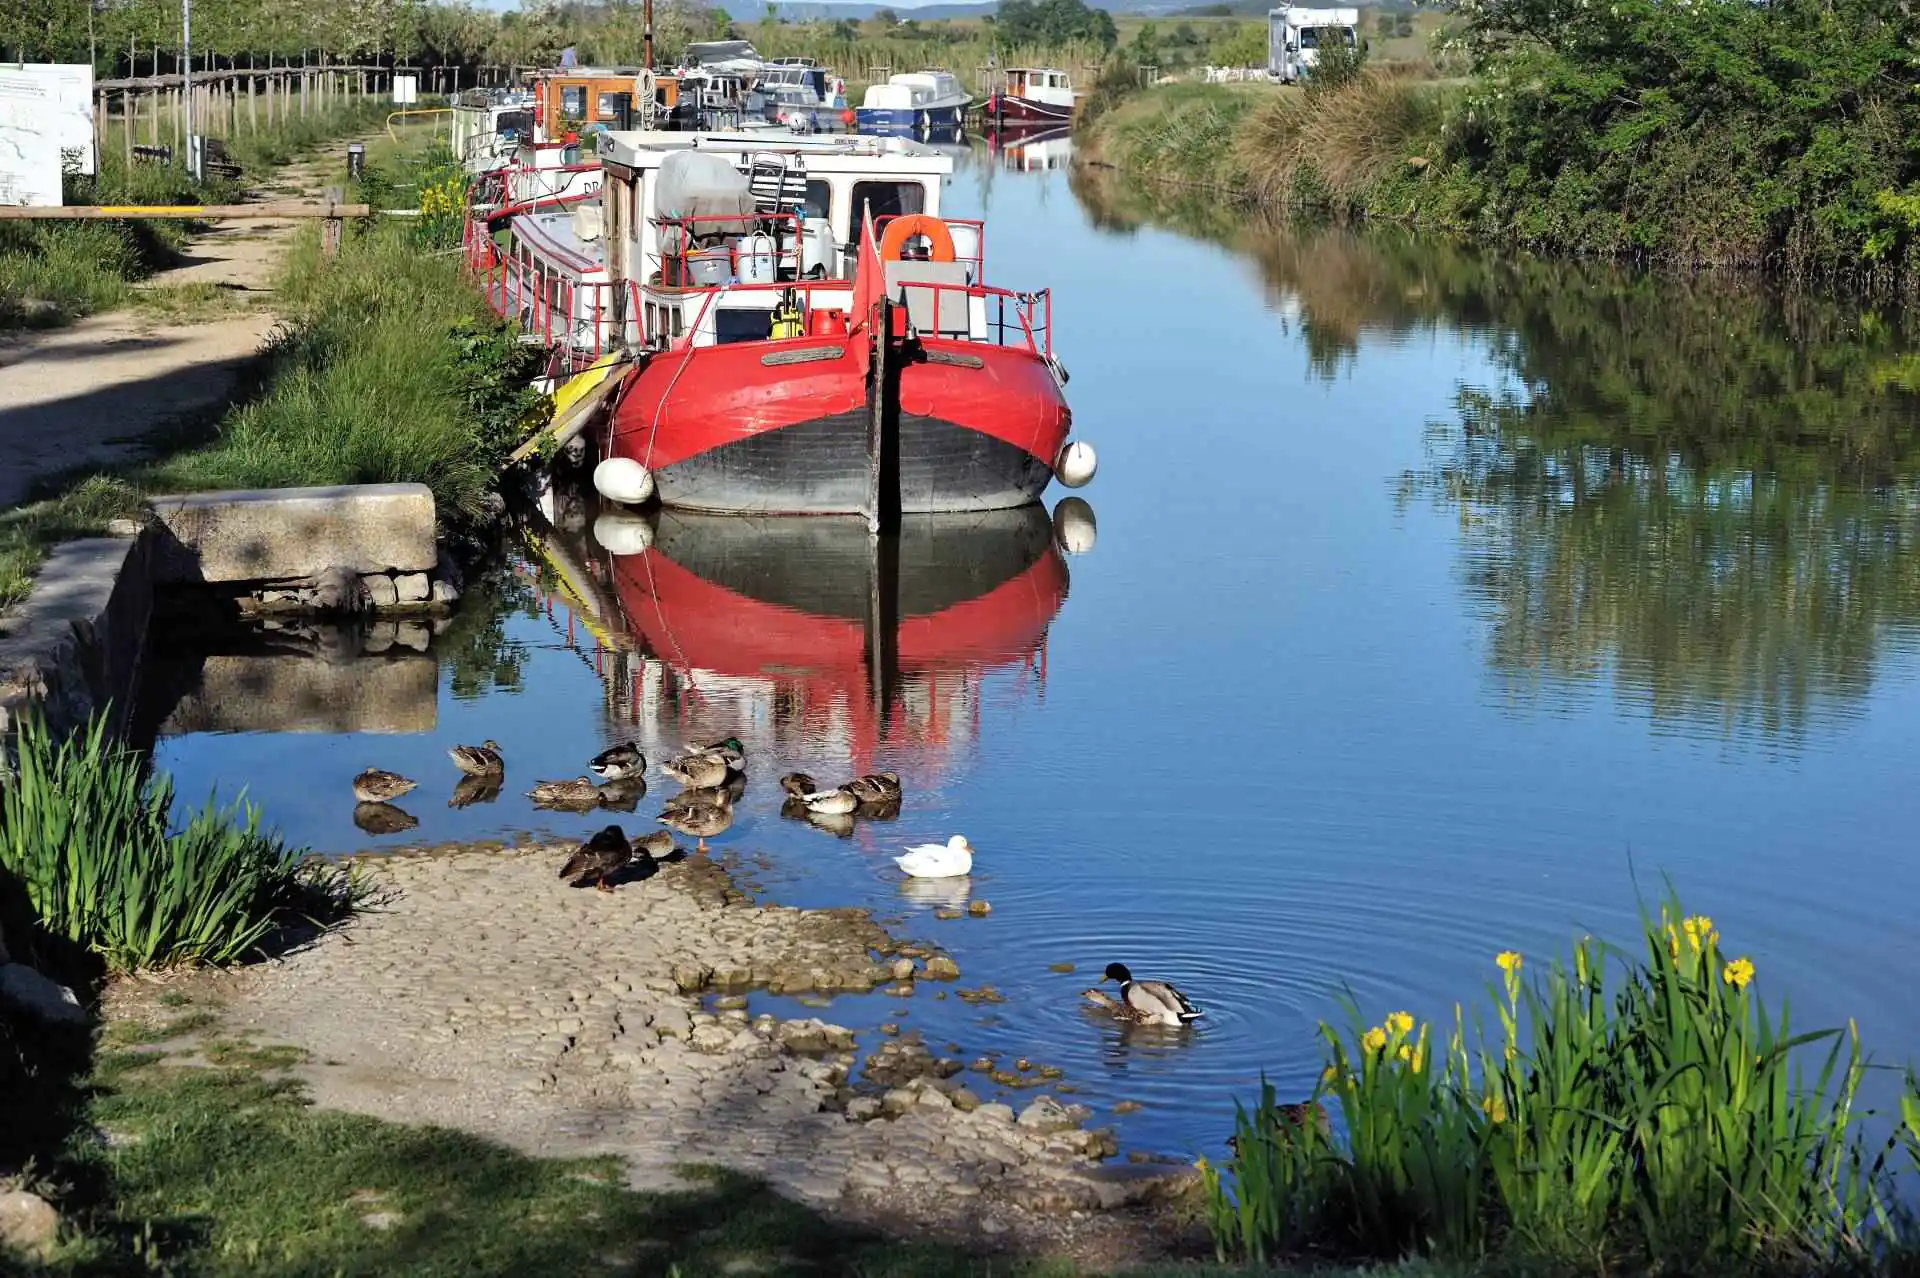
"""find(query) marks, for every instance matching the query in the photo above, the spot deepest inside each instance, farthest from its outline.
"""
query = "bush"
(90, 843)
(1660, 1116)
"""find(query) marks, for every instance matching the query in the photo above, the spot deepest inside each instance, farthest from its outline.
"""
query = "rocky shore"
(482, 994)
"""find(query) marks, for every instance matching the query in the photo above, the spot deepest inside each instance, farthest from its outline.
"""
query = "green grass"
(387, 367)
(52, 273)
(92, 842)
(224, 1168)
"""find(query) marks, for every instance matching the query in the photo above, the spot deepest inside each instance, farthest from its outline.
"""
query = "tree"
(886, 18)
(1052, 23)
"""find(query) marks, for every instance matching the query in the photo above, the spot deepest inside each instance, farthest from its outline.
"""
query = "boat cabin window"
(573, 101)
(740, 324)
(886, 199)
(819, 198)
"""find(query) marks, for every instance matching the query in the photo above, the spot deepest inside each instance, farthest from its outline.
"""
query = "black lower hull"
(820, 468)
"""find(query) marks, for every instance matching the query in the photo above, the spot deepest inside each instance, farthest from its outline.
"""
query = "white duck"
(938, 860)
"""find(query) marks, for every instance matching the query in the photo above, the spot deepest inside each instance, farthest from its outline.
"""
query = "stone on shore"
(412, 587)
(28, 1224)
(272, 534)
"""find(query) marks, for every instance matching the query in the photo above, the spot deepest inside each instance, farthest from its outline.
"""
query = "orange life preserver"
(893, 241)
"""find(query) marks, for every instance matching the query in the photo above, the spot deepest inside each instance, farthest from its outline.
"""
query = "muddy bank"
(483, 994)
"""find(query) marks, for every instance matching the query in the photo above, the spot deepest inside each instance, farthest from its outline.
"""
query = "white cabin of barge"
(815, 191)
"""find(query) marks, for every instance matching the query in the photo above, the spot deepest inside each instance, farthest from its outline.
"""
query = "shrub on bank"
(1630, 1110)
(91, 843)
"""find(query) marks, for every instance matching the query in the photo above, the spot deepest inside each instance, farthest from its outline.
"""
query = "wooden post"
(253, 117)
(883, 425)
(331, 227)
(883, 623)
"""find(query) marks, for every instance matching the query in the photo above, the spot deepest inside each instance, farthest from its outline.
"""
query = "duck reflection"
(934, 894)
(383, 818)
(808, 638)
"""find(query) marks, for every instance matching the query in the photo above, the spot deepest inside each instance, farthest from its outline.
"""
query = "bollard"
(331, 227)
(356, 160)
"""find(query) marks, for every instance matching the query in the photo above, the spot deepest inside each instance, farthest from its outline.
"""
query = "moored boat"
(913, 101)
(1032, 94)
(760, 335)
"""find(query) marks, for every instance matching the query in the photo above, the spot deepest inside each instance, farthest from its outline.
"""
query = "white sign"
(72, 105)
(406, 88)
(29, 144)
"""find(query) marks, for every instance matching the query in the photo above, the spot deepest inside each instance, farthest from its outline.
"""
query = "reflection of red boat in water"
(804, 634)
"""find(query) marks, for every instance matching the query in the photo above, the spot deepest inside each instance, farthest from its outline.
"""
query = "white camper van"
(1295, 37)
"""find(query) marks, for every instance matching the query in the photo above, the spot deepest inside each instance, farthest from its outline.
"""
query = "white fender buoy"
(622, 534)
(1076, 463)
(1074, 528)
(623, 480)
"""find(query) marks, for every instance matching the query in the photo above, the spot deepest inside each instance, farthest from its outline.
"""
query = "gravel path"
(88, 393)
(487, 996)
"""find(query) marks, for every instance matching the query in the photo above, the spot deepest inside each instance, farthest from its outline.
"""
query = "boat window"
(741, 324)
(819, 198)
(886, 199)
(679, 325)
(573, 101)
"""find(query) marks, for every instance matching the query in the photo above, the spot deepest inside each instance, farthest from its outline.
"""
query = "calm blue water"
(1435, 598)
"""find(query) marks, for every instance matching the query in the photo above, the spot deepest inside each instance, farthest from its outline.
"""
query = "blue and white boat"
(913, 101)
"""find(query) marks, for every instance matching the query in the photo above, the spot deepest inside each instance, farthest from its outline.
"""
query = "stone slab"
(397, 691)
(74, 643)
(274, 534)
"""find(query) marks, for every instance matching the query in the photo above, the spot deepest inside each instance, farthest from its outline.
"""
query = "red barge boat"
(804, 333)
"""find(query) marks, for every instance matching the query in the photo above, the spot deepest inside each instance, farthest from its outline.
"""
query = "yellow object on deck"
(567, 393)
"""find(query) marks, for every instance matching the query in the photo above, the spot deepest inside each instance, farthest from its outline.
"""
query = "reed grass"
(1638, 1110)
(91, 841)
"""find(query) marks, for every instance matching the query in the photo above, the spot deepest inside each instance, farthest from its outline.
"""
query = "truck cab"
(1296, 35)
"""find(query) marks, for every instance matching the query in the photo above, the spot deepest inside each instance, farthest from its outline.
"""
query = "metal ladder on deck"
(777, 182)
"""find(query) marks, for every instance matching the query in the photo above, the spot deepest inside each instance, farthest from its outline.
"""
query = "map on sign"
(29, 138)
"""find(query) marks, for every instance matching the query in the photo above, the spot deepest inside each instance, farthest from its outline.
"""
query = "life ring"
(893, 242)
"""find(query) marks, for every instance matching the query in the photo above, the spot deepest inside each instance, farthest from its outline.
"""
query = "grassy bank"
(52, 273)
(387, 368)
(1719, 135)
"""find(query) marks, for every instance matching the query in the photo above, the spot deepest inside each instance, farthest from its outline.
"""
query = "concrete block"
(74, 643)
(291, 693)
(272, 534)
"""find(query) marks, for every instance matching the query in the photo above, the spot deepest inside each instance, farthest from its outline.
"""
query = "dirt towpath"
(89, 393)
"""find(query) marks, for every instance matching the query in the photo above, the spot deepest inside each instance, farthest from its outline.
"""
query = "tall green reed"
(1639, 1107)
(90, 841)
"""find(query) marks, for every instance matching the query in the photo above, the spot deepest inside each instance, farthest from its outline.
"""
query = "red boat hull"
(1017, 110)
(722, 429)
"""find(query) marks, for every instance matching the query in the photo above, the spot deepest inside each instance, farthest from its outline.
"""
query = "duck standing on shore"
(483, 760)
(698, 771)
(378, 786)
(599, 858)
(1151, 1002)
(619, 763)
(701, 820)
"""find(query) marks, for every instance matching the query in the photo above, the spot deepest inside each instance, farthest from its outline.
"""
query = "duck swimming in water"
(938, 860)
(620, 763)
(1154, 1002)
(377, 786)
(483, 760)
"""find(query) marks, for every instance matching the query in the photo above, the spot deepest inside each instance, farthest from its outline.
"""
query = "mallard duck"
(1290, 1119)
(479, 761)
(798, 784)
(375, 786)
(622, 762)
(938, 860)
(658, 845)
(578, 794)
(831, 802)
(383, 818)
(698, 771)
(713, 796)
(1157, 1002)
(729, 749)
(471, 790)
(701, 820)
(605, 854)
(875, 787)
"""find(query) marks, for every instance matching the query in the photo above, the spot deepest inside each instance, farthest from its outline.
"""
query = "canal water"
(1442, 602)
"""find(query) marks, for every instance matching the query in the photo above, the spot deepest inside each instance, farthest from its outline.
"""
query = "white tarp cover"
(700, 184)
(29, 145)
